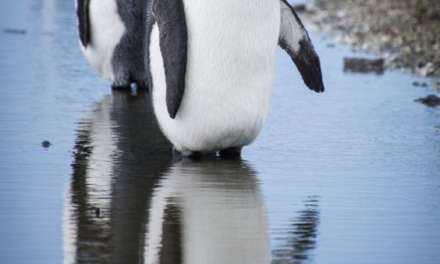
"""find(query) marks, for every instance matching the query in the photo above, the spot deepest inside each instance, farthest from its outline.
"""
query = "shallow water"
(349, 176)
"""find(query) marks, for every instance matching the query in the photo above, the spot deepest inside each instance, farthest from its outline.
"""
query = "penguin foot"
(143, 86)
(192, 155)
(195, 155)
(230, 153)
(178, 155)
(121, 86)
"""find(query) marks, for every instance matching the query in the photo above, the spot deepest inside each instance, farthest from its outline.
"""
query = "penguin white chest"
(107, 29)
(230, 64)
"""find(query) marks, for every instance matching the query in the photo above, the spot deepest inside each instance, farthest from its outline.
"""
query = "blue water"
(348, 176)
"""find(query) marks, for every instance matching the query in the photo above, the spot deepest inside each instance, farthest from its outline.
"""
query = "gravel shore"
(406, 33)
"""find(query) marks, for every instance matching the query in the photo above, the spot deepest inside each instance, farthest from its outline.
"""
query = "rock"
(420, 84)
(363, 65)
(425, 69)
(430, 100)
(46, 144)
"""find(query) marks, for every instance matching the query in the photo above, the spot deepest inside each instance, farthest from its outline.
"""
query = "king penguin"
(113, 39)
(212, 67)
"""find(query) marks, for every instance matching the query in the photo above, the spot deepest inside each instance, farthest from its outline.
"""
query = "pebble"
(420, 84)
(46, 144)
(430, 100)
(363, 65)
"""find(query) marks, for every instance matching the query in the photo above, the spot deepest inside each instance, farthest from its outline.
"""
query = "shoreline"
(405, 34)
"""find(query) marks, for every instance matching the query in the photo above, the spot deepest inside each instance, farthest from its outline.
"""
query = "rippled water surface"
(349, 176)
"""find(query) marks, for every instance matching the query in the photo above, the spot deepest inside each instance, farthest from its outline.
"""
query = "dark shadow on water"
(301, 235)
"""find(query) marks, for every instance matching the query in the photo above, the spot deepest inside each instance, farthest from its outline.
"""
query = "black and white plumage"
(113, 39)
(212, 65)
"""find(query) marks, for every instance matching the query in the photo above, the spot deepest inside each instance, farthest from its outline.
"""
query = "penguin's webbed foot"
(180, 154)
(121, 85)
(230, 153)
(143, 85)
(192, 155)
(122, 80)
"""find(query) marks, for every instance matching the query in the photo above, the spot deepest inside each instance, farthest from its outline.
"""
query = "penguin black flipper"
(173, 37)
(295, 40)
(82, 11)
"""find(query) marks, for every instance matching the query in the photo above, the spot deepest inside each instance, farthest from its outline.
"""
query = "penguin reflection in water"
(212, 65)
(209, 212)
(113, 39)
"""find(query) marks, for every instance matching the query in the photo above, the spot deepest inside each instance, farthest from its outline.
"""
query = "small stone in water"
(364, 65)
(46, 144)
(430, 100)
